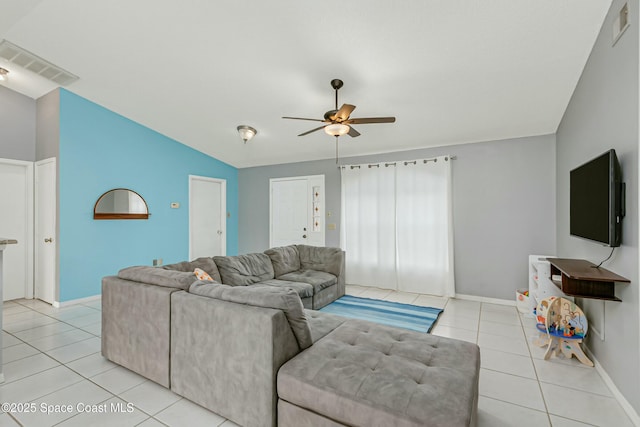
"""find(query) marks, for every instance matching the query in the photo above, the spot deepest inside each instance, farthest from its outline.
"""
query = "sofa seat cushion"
(285, 259)
(244, 270)
(318, 279)
(364, 374)
(158, 276)
(204, 263)
(304, 290)
(262, 296)
(322, 323)
(321, 258)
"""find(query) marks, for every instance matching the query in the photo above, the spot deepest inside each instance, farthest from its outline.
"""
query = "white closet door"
(46, 239)
(207, 217)
(16, 222)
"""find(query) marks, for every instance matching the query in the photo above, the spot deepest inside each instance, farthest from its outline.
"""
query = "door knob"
(304, 236)
(219, 232)
(48, 240)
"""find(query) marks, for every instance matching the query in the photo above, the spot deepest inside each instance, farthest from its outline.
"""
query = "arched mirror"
(121, 203)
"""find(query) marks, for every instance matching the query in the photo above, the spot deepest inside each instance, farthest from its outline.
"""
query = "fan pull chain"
(336, 150)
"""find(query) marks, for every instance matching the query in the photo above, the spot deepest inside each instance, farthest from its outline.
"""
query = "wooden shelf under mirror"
(582, 279)
(121, 203)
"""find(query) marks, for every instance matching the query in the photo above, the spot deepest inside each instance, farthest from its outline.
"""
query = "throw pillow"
(202, 275)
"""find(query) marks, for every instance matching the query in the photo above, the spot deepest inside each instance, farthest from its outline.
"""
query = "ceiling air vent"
(25, 59)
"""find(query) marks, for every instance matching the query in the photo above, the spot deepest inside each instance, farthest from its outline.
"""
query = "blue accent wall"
(101, 150)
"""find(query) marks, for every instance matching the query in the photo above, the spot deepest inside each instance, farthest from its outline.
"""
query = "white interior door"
(16, 222)
(207, 217)
(45, 226)
(289, 212)
(297, 211)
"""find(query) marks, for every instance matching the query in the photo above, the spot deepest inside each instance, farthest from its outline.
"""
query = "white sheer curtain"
(397, 226)
(368, 225)
(424, 229)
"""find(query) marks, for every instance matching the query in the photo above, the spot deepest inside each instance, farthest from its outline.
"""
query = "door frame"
(223, 210)
(29, 282)
(309, 201)
(36, 228)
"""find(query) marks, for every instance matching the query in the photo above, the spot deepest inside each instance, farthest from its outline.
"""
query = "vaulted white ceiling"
(451, 71)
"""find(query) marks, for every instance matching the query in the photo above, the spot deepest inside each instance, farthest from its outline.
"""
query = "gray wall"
(603, 114)
(48, 125)
(503, 207)
(17, 126)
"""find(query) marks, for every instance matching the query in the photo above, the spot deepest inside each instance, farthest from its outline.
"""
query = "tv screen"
(596, 200)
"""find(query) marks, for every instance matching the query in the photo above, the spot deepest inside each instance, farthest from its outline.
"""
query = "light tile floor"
(517, 386)
(52, 357)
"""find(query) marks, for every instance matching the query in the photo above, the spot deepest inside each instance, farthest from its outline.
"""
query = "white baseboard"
(58, 304)
(486, 299)
(631, 412)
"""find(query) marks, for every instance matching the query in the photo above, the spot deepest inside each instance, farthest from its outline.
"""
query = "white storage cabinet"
(540, 284)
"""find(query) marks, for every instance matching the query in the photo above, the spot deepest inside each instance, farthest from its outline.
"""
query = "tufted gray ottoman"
(365, 374)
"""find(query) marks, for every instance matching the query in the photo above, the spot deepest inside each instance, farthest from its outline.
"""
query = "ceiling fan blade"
(370, 120)
(302, 118)
(310, 131)
(344, 112)
(352, 132)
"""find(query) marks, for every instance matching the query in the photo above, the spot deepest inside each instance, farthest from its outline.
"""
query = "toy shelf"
(540, 285)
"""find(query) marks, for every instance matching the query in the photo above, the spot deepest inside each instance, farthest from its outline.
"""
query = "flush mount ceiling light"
(4, 74)
(336, 129)
(246, 132)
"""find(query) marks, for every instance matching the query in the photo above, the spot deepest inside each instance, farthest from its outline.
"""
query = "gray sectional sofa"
(248, 349)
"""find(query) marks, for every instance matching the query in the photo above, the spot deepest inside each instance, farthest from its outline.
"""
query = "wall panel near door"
(16, 220)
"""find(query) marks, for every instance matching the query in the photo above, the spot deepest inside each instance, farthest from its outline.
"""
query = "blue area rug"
(395, 314)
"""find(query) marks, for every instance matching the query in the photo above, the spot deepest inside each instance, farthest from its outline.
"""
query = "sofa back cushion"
(205, 263)
(158, 276)
(284, 299)
(285, 259)
(243, 270)
(320, 258)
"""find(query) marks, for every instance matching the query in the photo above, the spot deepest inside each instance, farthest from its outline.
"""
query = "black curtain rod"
(406, 163)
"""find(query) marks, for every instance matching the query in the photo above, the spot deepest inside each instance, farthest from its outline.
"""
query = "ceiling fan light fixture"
(246, 132)
(336, 129)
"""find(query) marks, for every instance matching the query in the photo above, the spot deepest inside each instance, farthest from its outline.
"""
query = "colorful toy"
(563, 326)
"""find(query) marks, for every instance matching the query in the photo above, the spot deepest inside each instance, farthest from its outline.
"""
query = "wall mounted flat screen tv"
(596, 200)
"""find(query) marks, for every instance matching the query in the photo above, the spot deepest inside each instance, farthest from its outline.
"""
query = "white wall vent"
(25, 59)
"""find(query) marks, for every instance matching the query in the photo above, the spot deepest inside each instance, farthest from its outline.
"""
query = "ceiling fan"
(338, 122)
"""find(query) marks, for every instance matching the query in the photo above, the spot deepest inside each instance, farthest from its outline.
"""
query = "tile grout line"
(535, 370)
(518, 405)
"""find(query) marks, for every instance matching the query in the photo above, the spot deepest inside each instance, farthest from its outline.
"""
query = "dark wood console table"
(580, 278)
